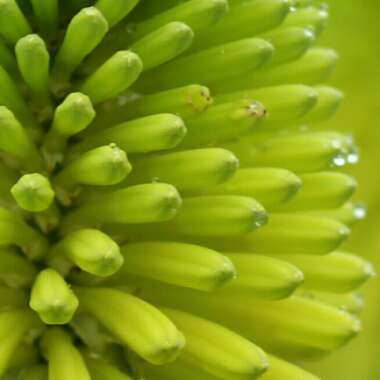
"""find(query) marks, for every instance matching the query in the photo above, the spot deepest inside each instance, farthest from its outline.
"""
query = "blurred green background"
(354, 31)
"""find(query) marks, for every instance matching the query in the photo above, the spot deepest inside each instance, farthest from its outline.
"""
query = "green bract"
(169, 207)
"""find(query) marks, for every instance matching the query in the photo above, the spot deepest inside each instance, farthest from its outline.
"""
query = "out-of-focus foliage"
(354, 31)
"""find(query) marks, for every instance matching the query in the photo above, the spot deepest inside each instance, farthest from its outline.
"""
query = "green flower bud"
(92, 251)
(13, 24)
(180, 264)
(269, 186)
(57, 344)
(263, 277)
(46, 12)
(145, 330)
(187, 170)
(113, 77)
(349, 272)
(33, 192)
(52, 298)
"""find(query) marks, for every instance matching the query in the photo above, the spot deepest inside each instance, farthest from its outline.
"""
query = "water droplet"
(339, 161)
(353, 157)
(360, 211)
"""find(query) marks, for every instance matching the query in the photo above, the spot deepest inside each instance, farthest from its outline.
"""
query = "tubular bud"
(13, 230)
(208, 66)
(280, 368)
(15, 141)
(224, 122)
(338, 272)
(33, 61)
(187, 170)
(218, 350)
(198, 14)
(57, 344)
(92, 251)
(101, 370)
(322, 190)
(244, 19)
(83, 34)
(271, 187)
(115, 11)
(301, 153)
(52, 298)
(137, 204)
(284, 104)
(46, 12)
(289, 43)
(144, 328)
(14, 325)
(163, 44)
(113, 77)
(13, 24)
(187, 101)
(263, 277)
(103, 166)
(147, 134)
(179, 264)
(308, 17)
(15, 270)
(213, 216)
(33, 192)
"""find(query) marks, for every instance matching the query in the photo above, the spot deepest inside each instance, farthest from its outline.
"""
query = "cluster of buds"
(170, 206)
